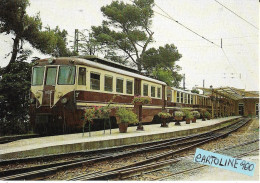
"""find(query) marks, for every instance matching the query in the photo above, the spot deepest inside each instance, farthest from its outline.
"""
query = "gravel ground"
(247, 133)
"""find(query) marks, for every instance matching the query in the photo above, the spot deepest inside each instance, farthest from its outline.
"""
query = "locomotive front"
(52, 96)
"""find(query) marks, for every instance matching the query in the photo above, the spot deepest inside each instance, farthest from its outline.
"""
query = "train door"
(137, 89)
(241, 109)
(49, 85)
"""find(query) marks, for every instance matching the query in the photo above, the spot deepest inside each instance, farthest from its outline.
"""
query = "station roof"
(231, 92)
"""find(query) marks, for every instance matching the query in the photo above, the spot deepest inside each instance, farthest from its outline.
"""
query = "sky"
(235, 65)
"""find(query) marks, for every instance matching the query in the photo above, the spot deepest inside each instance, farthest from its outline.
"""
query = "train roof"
(100, 65)
(188, 92)
(108, 62)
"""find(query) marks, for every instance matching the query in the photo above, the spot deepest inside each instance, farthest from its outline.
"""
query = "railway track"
(125, 171)
(201, 166)
(180, 145)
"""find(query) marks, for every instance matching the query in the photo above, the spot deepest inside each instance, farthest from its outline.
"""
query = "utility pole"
(203, 85)
(183, 81)
(76, 41)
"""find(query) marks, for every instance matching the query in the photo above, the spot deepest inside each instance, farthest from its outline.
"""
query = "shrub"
(126, 116)
(196, 114)
(143, 100)
(164, 115)
(178, 114)
(207, 114)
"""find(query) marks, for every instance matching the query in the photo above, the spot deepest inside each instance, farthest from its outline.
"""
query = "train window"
(159, 92)
(66, 75)
(145, 89)
(51, 76)
(109, 83)
(152, 91)
(95, 81)
(178, 96)
(184, 98)
(82, 76)
(129, 87)
(119, 85)
(38, 73)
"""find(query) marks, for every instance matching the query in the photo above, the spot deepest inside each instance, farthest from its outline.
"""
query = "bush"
(207, 114)
(164, 115)
(196, 114)
(126, 116)
(178, 114)
(143, 100)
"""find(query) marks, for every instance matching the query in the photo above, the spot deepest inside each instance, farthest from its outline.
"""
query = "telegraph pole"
(183, 81)
(76, 41)
(203, 85)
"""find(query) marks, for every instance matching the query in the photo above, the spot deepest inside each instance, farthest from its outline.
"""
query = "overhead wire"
(237, 15)
(169, 17)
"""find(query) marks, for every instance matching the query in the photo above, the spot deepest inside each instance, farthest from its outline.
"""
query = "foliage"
(196, 114)
(98, 112)
(126, 34)
(143, 100)
(126, 116)
(178, 114)
(89, 115)
(14, 20)
(87, 44)
(161, 64)
(171, 78)
(14, 96)
(207, 114)
(203, 111)
(164, 115)
(195, 91)
(187, 114)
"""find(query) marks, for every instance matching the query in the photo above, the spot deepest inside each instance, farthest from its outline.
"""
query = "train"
(62, 88)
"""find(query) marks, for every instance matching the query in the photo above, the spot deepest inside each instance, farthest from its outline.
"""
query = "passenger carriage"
(63, 87)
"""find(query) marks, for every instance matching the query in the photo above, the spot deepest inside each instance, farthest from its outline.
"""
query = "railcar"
(63, 87)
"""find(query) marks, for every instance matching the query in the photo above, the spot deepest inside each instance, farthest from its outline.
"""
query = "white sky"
(201, 60)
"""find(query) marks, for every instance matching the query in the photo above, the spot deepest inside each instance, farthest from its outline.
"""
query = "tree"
(161, 64)
(127, 28)
(14, 20)
(14, 96)
(16, 76)
(87, 44)
(126, 31)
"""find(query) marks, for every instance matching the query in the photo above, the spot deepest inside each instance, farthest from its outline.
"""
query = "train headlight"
(37, 95)
(64, 100)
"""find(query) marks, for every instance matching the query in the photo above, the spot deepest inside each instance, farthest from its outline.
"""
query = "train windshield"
(37, 78)
(66, 75)
(51, 76)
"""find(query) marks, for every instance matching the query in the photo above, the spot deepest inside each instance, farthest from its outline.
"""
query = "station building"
(232, 101)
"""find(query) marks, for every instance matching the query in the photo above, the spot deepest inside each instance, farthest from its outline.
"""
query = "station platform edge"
(98, 140)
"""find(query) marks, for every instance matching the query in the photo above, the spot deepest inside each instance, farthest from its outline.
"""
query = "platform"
(97, 140)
